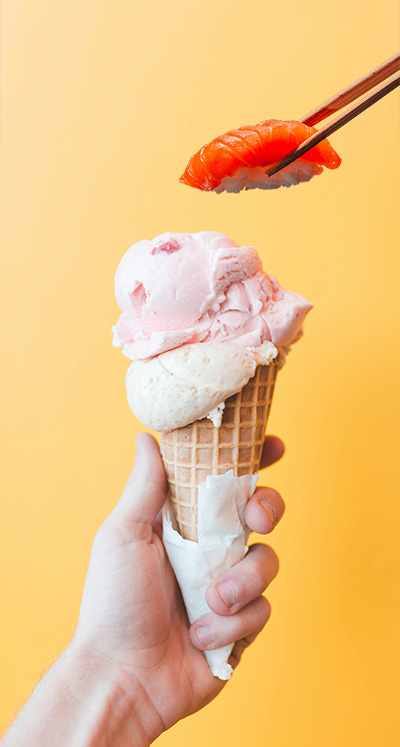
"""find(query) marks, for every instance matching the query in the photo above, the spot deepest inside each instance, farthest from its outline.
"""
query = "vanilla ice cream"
(176, 388)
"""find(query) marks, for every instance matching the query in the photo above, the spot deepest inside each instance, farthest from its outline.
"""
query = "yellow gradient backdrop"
(102, 105)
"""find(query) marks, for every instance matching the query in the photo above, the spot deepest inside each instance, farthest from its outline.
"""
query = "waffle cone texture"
(200, 449)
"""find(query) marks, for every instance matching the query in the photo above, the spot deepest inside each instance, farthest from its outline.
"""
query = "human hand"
(132, 620)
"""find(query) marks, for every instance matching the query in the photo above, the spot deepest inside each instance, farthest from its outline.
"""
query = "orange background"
(102, 105)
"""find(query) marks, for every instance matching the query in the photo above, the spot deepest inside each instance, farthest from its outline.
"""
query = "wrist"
(116, 706)
(88, 701)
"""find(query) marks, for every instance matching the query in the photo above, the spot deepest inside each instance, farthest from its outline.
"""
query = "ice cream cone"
(200, 449)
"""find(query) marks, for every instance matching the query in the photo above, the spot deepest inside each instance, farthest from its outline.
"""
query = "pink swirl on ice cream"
(183, 288)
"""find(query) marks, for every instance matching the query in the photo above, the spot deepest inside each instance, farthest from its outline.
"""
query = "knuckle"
(265, 565)
(259, 574)
(252, 619)
(265, 610)
(114, 534)
(241, 622)
(263, 614)
(272, 560)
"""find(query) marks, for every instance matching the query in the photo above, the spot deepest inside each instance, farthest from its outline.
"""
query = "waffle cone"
(200, 449)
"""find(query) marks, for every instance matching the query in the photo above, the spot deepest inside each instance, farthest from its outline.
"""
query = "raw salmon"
(239, 159)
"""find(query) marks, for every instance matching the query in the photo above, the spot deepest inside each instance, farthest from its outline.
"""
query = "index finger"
(273, 450)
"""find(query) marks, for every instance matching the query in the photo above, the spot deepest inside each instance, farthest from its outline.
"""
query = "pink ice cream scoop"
(185, 288)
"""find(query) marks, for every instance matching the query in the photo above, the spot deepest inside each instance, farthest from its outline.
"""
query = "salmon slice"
(239, 159)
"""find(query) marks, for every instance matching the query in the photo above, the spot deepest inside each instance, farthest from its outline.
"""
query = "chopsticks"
(386, 70)
(353, 92)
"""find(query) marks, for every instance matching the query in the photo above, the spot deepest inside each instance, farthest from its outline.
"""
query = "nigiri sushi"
(240, 158)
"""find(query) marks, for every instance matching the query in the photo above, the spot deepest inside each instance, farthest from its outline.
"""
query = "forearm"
(85, 703)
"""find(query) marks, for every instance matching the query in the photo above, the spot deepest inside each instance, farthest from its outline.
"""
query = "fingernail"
(204, 635)
(270, 511)
(227, 592)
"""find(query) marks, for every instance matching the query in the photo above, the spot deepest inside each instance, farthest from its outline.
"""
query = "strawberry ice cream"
(185, 288)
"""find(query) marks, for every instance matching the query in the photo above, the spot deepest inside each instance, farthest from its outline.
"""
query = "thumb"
(146, 489)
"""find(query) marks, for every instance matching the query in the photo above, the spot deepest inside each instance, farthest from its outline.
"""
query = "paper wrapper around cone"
(200, 449)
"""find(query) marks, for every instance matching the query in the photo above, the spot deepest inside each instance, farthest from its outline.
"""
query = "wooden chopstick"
(346, 116)
(353, 92)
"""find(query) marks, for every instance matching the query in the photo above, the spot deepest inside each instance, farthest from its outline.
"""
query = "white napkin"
(222, 535)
